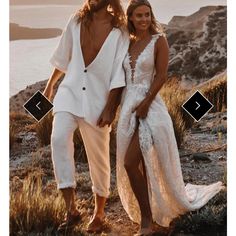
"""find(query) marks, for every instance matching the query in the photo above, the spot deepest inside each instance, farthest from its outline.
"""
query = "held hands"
(142, 109)
(106, 118)
(109, 112)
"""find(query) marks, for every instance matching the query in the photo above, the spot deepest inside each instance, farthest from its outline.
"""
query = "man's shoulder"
(122, 29)
(122, 33)
(73, 19)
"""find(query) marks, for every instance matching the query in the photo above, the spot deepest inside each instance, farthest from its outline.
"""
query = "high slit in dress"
(169, 197)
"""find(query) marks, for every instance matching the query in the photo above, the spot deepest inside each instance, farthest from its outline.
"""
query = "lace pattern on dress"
(168, 195)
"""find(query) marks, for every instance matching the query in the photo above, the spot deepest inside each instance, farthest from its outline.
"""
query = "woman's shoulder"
(160, 41)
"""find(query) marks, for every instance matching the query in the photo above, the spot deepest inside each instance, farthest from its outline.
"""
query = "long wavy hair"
(114, 8)
(155, 26)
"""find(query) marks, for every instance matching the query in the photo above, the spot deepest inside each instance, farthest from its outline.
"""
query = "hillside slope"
(198, 43)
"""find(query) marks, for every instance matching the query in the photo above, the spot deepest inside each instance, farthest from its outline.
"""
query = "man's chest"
(92, 41)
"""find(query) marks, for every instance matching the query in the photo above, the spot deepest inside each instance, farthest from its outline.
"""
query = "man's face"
(96, 5)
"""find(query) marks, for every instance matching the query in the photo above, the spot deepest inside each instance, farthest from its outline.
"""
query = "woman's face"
(141, 18)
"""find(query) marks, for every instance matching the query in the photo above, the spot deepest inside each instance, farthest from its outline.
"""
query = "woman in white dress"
(149, 175)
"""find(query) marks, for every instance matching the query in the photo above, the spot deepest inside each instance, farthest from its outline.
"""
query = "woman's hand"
(143, 108)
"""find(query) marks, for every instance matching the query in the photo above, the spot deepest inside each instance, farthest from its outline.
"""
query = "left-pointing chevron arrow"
(38, 106)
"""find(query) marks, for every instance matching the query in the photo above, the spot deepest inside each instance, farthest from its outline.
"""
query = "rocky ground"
(203, 159)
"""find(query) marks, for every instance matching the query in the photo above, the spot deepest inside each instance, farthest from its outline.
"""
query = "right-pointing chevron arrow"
(197, 106)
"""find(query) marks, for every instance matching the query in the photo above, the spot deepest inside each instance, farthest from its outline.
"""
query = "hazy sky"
(164, 10)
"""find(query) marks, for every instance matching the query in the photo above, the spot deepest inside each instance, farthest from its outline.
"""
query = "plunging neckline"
(136, 60)
(100, 50)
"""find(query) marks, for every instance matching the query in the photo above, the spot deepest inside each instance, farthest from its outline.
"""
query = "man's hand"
(109, 112)
(105, 118)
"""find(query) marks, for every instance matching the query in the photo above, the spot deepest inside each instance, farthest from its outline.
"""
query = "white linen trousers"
(96, 142)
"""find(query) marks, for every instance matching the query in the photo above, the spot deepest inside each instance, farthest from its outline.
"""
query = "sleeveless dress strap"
(157, 36)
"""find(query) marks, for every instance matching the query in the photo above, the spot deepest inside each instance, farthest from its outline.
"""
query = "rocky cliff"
(198, 46)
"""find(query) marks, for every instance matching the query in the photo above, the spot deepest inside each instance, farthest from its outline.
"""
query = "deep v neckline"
(131, 62)
(100, 50)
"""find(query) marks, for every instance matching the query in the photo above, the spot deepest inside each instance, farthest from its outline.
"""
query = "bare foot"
(70, 221)
(96, 224)
(145, 232)
(146, 223)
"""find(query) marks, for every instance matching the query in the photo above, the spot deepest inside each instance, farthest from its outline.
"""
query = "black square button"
(197, 106)
(38, 106)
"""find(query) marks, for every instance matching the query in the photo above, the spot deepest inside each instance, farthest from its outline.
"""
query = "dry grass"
(23, 118)
(32, 209)
(21, 121)
(44, 129)
(174, 96)
(12, 135)
(37, 209)
(216, 91)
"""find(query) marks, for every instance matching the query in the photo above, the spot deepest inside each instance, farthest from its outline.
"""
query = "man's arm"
(61, 58)
(117, 83)
(109, 112)
(56, 75)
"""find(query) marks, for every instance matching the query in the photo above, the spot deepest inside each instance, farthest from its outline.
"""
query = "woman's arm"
(161, 63)
(162, 59)
(56, 75)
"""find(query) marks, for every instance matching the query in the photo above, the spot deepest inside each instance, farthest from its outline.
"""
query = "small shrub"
(32, 209)
(12, 135)
(44, 130)
(216, 91)
(20, 120)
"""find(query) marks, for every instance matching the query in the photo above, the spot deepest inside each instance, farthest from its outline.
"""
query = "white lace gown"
(168, 195)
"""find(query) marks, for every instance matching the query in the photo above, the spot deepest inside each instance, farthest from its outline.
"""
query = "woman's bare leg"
(137, 180)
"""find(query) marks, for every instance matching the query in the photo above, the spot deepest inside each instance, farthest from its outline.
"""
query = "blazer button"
(85, 70)
(84, 88)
